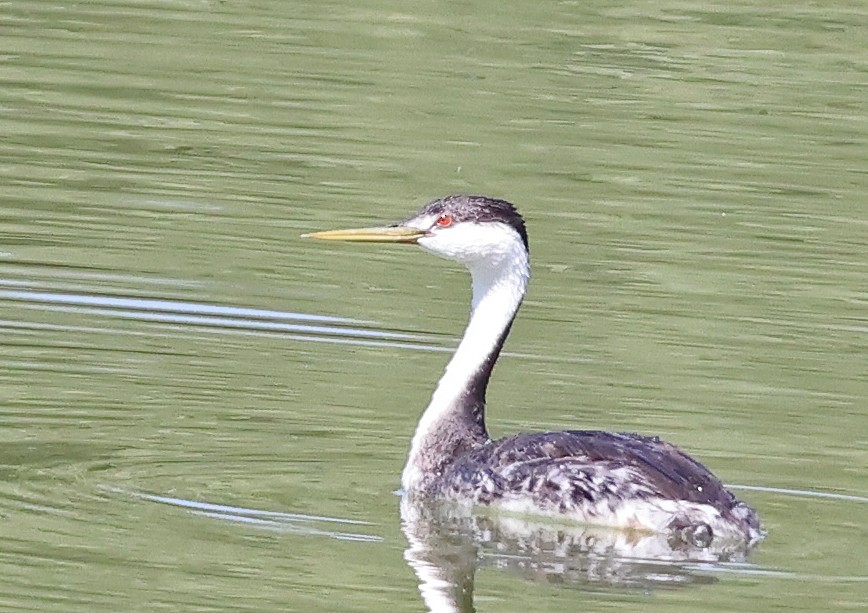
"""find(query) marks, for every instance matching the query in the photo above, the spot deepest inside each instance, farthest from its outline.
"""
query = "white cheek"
(470, 242)
(431, 245)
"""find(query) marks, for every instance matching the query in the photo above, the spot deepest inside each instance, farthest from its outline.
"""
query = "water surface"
(200, 411)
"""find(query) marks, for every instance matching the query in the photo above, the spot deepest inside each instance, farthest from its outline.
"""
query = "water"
(179, 434)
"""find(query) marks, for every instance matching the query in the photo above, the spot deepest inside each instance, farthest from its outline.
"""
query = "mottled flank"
(616, 479)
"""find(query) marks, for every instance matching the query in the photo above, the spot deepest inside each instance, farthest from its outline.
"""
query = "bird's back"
(619, 479)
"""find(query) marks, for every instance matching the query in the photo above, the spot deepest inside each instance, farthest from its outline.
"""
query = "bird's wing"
(591, 463)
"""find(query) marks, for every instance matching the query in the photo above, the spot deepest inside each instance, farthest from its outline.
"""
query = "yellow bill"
(386, 234)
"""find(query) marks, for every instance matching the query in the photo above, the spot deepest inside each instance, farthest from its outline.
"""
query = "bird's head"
(474, 230)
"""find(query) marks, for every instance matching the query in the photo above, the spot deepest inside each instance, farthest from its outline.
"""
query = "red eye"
(444, 221)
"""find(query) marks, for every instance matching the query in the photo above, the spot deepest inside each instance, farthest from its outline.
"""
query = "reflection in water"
(318, 328)
(310, 525)
(447, 544)
(800, 492)
(222, 318)
(161, 306)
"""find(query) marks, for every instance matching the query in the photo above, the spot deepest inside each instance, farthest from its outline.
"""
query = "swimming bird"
(622, 480)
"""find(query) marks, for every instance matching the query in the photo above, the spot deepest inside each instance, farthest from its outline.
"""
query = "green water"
(694, 181)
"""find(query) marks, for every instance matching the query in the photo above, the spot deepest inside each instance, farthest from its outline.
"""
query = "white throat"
(454, 422)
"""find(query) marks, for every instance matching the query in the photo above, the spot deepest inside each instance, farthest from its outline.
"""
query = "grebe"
(621, 480)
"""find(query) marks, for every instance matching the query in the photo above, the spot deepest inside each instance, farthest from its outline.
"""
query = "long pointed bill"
(388, 234)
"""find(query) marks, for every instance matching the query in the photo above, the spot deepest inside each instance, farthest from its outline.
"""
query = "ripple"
(298, 523)
(800, 493)
(318, 328)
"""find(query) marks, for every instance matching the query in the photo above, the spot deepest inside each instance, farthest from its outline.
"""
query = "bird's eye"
(444, 221)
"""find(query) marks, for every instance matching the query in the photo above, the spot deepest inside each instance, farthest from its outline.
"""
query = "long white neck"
(454, 422)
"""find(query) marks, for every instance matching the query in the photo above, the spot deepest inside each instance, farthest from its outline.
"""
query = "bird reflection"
(447, 543)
